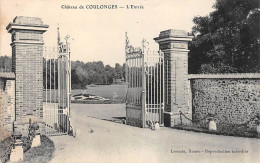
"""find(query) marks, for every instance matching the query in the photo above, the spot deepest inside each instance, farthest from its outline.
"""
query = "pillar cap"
(27, 23)
(173, 35)
(16, 134)
(35, 126)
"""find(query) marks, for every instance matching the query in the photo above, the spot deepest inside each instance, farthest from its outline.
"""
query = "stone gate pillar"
(27, 64)
(174, 44)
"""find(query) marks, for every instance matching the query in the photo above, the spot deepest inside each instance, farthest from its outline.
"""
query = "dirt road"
(104, 141)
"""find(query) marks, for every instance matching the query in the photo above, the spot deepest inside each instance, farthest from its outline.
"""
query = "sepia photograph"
(129, 81)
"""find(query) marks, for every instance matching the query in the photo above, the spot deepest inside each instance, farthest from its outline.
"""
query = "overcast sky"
(100, 34)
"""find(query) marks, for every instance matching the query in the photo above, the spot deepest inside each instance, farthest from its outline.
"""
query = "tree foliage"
(5, 64)
(94, 73)
(82, 74)
(227, 40)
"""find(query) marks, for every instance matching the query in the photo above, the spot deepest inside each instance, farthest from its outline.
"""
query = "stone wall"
(234, 98)
(7, 105)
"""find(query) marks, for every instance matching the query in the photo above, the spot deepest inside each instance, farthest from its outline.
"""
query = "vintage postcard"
(129, 81)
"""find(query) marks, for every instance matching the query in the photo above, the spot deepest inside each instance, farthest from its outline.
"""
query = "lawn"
(107, 91)
(116, 93)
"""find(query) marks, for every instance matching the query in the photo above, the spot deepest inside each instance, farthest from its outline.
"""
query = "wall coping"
(7, 75)
(225, 76)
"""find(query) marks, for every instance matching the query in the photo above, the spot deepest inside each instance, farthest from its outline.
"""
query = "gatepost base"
(36, 141)
(172, 119)
(16, 154)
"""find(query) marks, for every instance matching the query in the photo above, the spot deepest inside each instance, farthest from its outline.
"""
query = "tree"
(227, 40)
(119, 71)
(110, 73)
(5, 63)
(82, 74)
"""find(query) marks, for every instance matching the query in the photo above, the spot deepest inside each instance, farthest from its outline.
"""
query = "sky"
(99, 34)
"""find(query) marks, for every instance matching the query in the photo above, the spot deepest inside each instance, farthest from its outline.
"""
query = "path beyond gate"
(145, 89)
(57, 83)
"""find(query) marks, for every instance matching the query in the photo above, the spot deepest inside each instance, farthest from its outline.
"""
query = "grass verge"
(40, 154)
(5, 149)
(227, 130)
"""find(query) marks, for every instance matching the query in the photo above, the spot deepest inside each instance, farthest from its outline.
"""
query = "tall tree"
(228, 39)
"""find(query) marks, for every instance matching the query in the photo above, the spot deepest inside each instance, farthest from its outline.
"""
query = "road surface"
(105, 141)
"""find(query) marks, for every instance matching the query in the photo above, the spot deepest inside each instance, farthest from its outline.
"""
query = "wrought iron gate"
(145, 91)
(57, 93)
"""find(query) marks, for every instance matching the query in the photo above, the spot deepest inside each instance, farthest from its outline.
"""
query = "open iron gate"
(57, 93)
(145, 86)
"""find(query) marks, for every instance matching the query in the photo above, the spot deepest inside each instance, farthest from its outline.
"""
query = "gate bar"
(143, 92)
